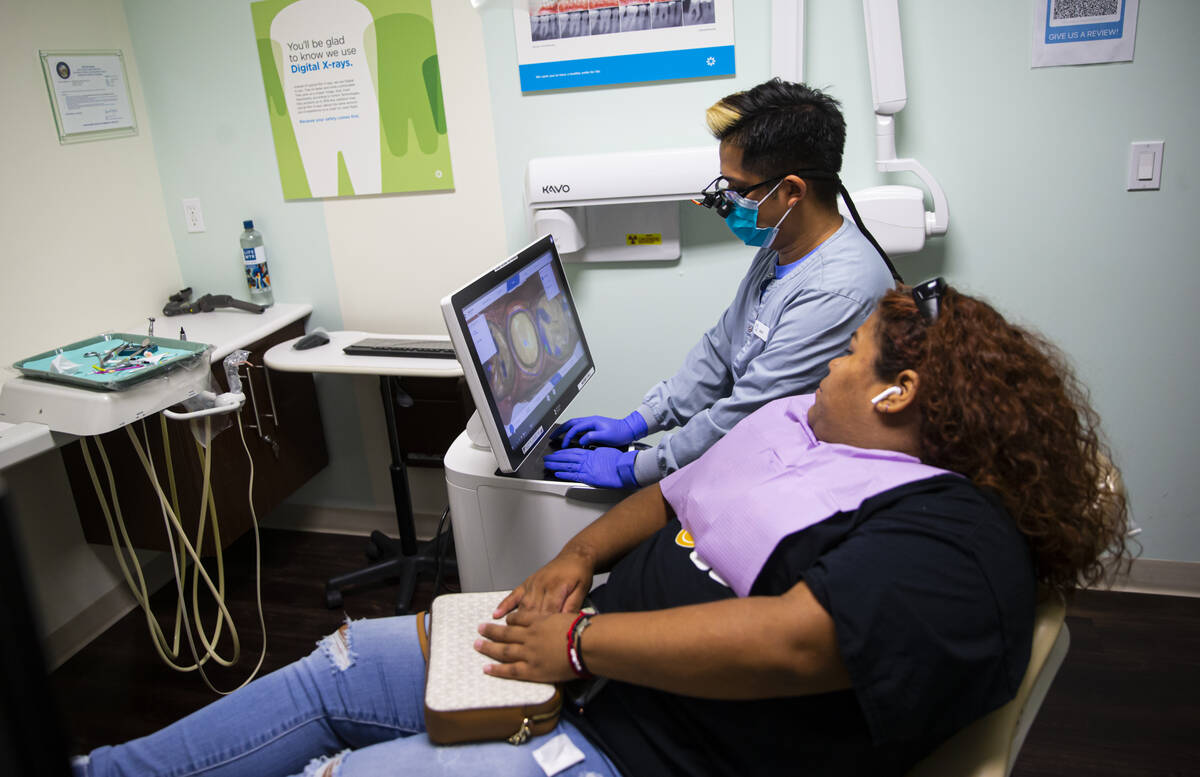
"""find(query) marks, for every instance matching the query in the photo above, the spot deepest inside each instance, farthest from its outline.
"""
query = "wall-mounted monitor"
(516, 333)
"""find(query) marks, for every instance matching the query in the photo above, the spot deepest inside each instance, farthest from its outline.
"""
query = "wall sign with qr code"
(1083, 32)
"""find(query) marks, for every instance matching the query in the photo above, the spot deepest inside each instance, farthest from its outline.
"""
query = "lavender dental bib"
(770, 477)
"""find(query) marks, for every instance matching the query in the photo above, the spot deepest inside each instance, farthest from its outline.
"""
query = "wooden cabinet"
(438, 413)
(282, 425)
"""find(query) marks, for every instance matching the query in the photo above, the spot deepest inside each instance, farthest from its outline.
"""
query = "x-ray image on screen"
(516, 333)
(527, 341)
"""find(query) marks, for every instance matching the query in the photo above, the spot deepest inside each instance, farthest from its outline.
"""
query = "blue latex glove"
(602, 430)
(603, 467)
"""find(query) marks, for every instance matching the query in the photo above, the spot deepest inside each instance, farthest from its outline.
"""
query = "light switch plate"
(1137, 164)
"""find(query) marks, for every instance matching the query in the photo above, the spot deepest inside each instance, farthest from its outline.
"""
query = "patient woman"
(839, 584)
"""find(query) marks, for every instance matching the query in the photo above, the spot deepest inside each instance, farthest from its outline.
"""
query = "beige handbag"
(462, 704)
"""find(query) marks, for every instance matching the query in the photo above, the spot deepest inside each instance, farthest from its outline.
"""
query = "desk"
(409, 559)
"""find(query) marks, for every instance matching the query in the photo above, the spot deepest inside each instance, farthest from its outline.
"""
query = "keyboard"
(383, 346)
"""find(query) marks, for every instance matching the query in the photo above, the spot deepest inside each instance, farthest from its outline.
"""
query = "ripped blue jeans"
(354, 707)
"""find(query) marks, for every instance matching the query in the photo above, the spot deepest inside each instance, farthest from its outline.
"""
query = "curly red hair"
(999, 405)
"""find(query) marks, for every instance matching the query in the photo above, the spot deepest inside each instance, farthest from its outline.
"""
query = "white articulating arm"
(885, 58)
(216, 404)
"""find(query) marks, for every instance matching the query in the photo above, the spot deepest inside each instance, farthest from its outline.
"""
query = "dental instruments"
(113, 361)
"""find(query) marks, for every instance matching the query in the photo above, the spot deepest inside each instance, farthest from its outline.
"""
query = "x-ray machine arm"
(885, 58)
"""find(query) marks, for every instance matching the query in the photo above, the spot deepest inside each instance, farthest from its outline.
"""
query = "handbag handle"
(423, 636)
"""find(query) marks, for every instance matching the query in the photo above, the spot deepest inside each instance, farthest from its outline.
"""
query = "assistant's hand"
(559, 586)
(603, 467)
(602, 430)
(531, 647)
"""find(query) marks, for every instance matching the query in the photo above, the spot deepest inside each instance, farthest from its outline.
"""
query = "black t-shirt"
(932, 592)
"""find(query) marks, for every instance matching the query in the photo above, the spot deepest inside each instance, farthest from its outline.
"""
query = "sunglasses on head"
(928, 296)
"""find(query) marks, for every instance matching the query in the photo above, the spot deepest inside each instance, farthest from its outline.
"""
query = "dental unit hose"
(223, 403)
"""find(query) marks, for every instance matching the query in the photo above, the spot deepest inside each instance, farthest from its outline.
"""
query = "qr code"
(1084, 9)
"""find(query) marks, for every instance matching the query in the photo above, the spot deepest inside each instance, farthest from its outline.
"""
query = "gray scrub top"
(766, 345)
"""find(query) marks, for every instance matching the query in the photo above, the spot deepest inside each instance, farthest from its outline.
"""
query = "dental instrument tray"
(113, 361)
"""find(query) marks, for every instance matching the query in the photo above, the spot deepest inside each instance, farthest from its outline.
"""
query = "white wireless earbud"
(887, 392)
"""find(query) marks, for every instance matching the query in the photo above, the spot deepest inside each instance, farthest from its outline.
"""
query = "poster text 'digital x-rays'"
(354, 95)
(564, 44)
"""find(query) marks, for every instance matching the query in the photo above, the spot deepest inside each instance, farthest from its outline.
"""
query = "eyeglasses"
(928, 296)
(715, 195)
(720, 185)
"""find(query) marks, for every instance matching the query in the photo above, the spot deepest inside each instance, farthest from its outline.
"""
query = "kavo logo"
(560, 189)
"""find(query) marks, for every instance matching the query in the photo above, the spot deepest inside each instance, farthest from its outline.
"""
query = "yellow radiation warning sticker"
(644, 239)
(684, 539)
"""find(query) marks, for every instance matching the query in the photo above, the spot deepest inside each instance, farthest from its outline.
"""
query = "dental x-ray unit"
(896, 215)
(623, 206)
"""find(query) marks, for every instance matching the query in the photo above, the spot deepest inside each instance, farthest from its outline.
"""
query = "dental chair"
(989, 746)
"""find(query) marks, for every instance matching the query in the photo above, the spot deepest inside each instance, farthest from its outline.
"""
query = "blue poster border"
(1075, 33)
(628, 68)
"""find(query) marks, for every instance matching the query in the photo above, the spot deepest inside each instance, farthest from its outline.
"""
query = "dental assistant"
(813, 281)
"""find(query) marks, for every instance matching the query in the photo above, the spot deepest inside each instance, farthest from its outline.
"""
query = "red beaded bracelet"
(574, 655)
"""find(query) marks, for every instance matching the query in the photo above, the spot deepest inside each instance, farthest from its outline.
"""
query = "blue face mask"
(743, 220)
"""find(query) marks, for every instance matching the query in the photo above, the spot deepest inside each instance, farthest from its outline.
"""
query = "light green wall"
(205, 100)
(1033, 163)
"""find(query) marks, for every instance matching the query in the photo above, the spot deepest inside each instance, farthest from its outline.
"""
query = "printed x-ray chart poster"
(1083, 32)
(565, 44)
(354, 95)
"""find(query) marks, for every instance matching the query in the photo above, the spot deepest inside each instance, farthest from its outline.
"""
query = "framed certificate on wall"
(89, 94)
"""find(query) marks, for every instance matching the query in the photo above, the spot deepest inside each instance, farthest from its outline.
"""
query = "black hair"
(782, 127)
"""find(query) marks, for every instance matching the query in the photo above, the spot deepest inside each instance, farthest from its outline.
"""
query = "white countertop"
(229, 329)
(329, 358)
(31, 410)
(23, 441)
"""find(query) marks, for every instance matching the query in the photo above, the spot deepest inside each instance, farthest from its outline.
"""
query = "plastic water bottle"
(254, 258)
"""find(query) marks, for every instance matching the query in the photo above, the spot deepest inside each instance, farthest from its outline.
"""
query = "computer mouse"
(311, 340)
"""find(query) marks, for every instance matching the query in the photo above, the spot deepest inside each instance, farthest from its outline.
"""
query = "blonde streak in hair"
(721, 117)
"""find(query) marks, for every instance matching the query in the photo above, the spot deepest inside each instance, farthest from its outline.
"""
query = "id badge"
(761, 330)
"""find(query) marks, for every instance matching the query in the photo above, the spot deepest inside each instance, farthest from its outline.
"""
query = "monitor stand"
(532, 469)
(404, 558)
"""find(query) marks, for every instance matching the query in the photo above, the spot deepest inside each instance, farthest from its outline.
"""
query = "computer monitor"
(517, 335)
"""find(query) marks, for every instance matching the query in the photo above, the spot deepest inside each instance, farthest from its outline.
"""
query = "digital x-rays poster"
(354, 95)
(565, 44)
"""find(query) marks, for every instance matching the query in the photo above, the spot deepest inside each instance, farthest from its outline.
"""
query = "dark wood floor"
(1127, 699)
(1126, 702)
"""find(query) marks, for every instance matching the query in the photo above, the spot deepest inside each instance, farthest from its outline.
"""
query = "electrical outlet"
(193, 217)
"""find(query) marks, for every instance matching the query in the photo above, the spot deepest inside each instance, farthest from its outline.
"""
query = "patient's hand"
(560, 586)
(528, 647)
